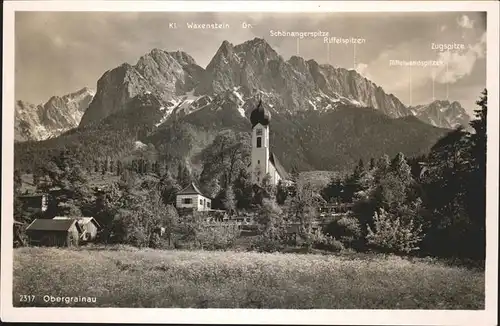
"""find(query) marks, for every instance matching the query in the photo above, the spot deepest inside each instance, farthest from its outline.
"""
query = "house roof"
(81, 220)
(30, 195)
(191, 190)
(276, 163)
(51, 225)
(281, 170)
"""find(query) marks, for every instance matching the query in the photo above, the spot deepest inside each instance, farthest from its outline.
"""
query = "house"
(50, 232)
(192, 198)
(263, 161)
(37, 202)
(88, 225)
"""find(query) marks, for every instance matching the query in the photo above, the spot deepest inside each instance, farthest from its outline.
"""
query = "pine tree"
(119, 168)
(372, 163)
(168, 187)
(401, 168)
(183, 175)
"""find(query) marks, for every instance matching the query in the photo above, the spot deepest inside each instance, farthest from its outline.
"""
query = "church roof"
(191, 190)
(260, 115)
(281, 170)
(276, 163)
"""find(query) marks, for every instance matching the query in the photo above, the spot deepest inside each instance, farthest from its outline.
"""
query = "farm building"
(192, 198)
(34, 202)
(88, 225)
(50, 232)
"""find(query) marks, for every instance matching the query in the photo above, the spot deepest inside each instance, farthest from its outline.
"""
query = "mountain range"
(442, 113)
(323, 117)
(50, 119)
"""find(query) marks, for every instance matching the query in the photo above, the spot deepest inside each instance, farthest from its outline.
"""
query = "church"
(263, 160)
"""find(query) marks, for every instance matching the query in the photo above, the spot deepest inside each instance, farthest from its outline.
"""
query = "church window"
(259, 132)
(259, 142)
(258, 161)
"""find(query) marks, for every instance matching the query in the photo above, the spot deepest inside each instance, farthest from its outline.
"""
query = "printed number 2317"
(26, 298)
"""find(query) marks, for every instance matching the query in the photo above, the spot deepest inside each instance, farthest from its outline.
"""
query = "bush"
(217, 236)
(155, 241)
(196, 233)
(266, 243)
(392, 234)
(272, 228)
(347, 229)
(325, 242)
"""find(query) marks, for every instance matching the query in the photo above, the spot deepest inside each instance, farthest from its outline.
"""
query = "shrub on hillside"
(394, 234)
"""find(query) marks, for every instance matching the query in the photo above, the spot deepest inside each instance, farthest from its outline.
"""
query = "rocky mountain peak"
(163, 74)
(50, 119)
(442, 113)
(183, 58)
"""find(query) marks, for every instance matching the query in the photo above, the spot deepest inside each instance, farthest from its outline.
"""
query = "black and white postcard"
(250, 162)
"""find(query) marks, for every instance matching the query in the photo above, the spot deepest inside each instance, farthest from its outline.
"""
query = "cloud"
(465, 22)
(458, 65)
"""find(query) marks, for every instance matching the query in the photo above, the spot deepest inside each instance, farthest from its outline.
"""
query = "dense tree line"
(434, 203)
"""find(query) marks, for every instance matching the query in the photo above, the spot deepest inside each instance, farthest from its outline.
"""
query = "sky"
(57, 53)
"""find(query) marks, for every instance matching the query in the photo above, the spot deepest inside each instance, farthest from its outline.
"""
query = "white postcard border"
(252, 316)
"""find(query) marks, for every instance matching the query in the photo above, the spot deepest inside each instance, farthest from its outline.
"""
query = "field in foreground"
(129, 277)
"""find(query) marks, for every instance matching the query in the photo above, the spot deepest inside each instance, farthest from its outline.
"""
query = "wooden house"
(193, 199)
(50, 232)
(36, 202)
(88, 225)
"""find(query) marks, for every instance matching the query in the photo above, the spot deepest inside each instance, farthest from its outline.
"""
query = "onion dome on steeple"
(260, 115)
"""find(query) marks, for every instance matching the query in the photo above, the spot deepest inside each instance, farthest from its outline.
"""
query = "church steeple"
(260, 119)
(263, 163)
(260, 115)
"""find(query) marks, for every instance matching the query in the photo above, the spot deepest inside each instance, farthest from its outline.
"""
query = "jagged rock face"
(237, 73)
(299, 84)
(442, 113)
(163, 74)
(59, 114)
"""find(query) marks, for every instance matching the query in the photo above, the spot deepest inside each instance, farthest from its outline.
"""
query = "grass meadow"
(130, 277)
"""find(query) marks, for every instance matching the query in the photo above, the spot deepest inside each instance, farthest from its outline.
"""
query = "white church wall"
(260, 155)
(275, 177)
